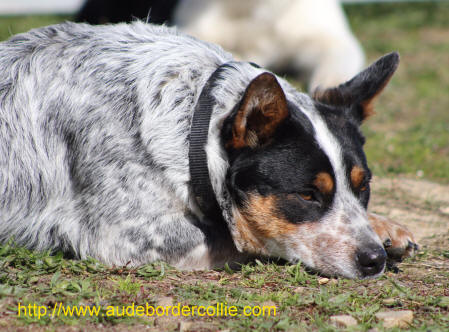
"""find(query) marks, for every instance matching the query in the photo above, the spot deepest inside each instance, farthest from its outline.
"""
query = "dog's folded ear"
(262, 109)
(359, 93)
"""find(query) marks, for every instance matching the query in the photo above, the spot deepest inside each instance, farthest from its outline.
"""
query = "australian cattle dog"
(132, 143)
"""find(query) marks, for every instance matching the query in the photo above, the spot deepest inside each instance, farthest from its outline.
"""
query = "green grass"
(301, 302)
(409, 135)
(15, 24)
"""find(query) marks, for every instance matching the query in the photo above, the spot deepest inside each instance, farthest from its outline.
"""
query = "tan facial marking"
(259, 221)
(245, 239)
(324, 182)
(357, 176)
(325, 246)
(263, 217)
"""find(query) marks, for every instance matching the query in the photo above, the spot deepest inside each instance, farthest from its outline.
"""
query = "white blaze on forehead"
(346, 222)
(345, 203)
(331, 147)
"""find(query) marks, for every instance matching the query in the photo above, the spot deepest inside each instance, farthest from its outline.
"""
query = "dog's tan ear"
(262, 109)
(359, 93)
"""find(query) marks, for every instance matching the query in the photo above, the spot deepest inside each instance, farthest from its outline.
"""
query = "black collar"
(199, 129)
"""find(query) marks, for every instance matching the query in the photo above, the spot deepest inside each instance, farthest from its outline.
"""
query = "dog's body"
(94, 142)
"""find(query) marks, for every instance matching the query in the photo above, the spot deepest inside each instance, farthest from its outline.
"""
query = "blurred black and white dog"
(96, 154)
(307, 39)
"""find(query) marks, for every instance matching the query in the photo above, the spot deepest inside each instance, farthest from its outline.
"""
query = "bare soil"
(421, 205)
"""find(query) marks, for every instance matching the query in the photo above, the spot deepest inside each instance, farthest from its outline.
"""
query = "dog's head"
(298, 175)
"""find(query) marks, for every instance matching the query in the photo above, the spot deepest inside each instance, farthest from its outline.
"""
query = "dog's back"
(93, 130)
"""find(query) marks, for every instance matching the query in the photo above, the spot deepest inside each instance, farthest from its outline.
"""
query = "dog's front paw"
(398, 241)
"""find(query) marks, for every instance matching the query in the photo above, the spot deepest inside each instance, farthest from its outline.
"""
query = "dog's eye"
(306, 197)
(364, 186)
(310, 196)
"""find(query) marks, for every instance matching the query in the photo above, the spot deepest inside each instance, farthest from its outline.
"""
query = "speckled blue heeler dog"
(96, 160)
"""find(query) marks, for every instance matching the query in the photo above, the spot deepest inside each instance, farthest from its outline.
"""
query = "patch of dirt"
(436, 36)
(421, 205)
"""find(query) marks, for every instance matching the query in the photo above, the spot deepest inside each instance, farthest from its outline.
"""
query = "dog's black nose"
(371, 260)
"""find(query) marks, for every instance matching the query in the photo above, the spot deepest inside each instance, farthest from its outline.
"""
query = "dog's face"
(299, 177)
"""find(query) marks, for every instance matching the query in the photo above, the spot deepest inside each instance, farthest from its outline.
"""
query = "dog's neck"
(204, 138)
(220, 94)
(198, 167)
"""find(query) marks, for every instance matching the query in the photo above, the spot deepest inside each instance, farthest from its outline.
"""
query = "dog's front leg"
(398, 241)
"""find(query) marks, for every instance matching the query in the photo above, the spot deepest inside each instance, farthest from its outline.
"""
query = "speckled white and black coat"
(94, 125)
(94, 139)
